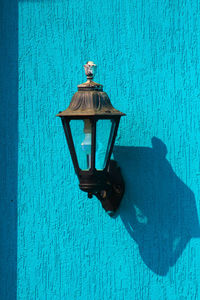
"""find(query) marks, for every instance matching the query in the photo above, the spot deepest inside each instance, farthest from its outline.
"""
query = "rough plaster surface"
(147, 54)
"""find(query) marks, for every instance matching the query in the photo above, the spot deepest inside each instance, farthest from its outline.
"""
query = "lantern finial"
(90, 69)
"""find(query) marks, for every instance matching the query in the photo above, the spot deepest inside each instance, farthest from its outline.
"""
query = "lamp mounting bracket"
(111, 195)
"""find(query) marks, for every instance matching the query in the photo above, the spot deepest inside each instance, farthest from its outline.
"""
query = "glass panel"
(68, 135)
(82, 137)
(104, 135)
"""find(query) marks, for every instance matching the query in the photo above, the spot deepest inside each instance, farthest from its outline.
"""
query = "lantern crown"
(90, 99)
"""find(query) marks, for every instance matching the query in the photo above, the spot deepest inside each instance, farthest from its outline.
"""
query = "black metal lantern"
(90, 124)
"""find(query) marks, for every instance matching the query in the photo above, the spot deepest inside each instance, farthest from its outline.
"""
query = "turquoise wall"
(56, 244)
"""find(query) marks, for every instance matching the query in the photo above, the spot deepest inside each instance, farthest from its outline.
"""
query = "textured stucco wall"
(147, 54)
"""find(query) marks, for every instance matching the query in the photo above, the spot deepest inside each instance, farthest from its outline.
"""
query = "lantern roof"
(90, 100)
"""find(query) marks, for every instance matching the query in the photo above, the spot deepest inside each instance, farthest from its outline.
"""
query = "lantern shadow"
(158, 209)
(8, 149)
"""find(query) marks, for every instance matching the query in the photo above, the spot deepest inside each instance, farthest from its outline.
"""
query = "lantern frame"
(90, 102)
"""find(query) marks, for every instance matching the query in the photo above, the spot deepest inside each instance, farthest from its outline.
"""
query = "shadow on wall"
(158, 209)
(8, 148)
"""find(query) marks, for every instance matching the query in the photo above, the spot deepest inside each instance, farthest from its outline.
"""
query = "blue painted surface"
(8, 148)
(147, 54)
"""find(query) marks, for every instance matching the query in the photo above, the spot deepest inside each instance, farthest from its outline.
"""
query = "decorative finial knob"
(90, 69)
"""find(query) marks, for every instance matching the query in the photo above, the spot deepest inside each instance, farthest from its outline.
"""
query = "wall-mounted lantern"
(90, 124)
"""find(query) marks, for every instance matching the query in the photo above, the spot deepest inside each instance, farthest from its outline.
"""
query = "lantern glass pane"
(82, 137)
(104, 136)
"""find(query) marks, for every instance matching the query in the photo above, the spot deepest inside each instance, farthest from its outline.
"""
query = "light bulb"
(86, 144)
